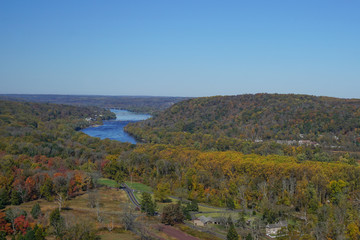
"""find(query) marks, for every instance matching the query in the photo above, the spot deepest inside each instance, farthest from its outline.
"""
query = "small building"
(202, 221)
(216, 221)
(198, 223)
(273, 230)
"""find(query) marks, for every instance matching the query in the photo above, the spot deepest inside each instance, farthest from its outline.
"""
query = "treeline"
(43, 155)
(322, 199)
(214, 176)
(143, 104)
(256, 123)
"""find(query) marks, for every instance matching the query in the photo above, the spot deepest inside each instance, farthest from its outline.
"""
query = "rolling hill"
(223, 122)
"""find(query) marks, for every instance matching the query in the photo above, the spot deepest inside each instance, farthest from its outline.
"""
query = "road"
(130, 193)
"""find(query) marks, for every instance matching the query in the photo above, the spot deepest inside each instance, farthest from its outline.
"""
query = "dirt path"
(175, 233)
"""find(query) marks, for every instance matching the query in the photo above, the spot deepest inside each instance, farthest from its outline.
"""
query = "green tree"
(119, 178)
(312, 198)
(4, 198)
(230, 203)
(40, 233)
(115, 170)
(47, 189)
(36, 211)
(37, 233)
(30, 235)
(249, 237)
(232, 234)
(192, 206)
(147, 204)
(15, 198)
(58, 223)
(241, 222)
(2, 235)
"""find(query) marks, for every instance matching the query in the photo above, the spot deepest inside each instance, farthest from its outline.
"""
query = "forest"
(260, 123)
(40, 146)
(317, 191)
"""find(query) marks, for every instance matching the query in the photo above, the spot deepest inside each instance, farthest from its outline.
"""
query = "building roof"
(204, 219)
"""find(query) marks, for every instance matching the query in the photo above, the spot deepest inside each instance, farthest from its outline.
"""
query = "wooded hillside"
(220, 122)
(42, 156)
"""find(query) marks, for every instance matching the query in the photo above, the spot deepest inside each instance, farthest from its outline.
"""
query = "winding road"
(131, 195)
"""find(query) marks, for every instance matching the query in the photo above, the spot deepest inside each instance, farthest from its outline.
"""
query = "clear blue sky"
(180, 48)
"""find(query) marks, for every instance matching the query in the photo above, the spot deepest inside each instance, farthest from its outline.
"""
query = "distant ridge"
(216, 122)
(146, 104)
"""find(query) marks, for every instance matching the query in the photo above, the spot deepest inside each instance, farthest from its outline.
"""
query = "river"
(114, 129)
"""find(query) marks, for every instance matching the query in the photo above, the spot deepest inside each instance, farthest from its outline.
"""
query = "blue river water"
(114, 129)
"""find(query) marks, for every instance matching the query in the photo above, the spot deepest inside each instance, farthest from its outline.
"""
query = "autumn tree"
(162, 192)
(12, 214)
(37, 233)
(172, 214)
(5, 226)
(353, 231)
(21, 224)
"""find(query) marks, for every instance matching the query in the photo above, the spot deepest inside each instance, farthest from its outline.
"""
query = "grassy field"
(208, 209)
(112, 202)
(78, 210)
(107, 182)
(139, 187)
(116, 236)
(234, 215)
(138, 196)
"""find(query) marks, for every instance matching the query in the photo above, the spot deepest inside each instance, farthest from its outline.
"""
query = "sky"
(180, 48)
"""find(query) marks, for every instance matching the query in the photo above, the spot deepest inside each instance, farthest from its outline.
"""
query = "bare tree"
(78, 229)
(256, 227)
(60, 199)
(22, 192)
(128, 217)
(94, 198)
(98, 212)
(94, 179)
(263, 189)
(144, 231)
(110, 226)
(241, 190)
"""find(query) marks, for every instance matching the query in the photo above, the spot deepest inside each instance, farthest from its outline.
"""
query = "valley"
(180, 177)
